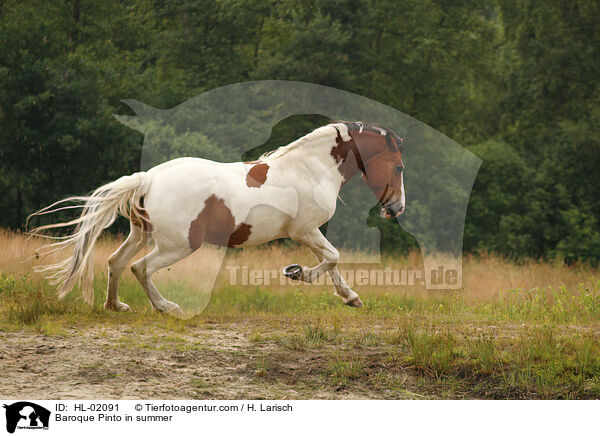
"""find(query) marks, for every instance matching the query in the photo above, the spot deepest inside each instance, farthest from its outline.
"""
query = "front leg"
(326, 254)
(328, 258)
(342, 290)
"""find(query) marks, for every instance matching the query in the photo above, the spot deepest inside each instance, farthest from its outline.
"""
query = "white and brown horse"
(186, 202)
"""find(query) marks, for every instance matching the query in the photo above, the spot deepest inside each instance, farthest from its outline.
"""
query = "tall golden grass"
(485, 278)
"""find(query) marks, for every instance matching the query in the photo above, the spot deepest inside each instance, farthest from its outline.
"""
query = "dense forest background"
(514, 81)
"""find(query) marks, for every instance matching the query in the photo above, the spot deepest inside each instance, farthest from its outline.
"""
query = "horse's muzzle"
(391, 210)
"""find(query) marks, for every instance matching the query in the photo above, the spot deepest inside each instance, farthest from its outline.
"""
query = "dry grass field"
(527, 330)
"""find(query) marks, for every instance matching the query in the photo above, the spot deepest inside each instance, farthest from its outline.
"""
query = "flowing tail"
(100, 210)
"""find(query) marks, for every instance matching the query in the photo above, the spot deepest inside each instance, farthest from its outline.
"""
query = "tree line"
(514, 81)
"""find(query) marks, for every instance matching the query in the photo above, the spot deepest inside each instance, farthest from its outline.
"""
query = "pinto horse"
(186, 202)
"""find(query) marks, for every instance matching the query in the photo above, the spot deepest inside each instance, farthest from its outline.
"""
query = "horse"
(187, 202)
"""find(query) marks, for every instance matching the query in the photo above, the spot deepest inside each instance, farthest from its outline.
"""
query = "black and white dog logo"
(26, 415)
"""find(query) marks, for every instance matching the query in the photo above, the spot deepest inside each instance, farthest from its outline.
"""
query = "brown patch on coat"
(139, 217)
(257, 175)
(215, 224)
(348, 167)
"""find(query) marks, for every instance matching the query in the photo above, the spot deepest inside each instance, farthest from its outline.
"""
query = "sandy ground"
(215, 363)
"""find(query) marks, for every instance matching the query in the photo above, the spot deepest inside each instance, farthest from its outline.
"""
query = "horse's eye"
(399, 169)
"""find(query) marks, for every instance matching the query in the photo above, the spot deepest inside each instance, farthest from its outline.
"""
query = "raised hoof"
(118, 307)
(293, 272)
(355, 302)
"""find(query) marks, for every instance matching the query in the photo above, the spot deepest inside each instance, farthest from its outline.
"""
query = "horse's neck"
(317, 159)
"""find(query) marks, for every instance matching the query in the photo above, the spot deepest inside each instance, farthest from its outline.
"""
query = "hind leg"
(146, 266)
(117, 263)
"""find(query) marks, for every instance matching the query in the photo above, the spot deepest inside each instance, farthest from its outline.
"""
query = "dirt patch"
(260, 359)
(202, 363)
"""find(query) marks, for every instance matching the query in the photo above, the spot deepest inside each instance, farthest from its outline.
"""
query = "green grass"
(311, 337)
(343, 369)
(528, 344)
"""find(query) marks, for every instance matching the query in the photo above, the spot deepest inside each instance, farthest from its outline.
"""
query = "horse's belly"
(266, 224)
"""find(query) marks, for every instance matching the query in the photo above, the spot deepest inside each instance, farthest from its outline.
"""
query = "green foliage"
(432, 353)
(23, 303)
(497, 201)
(343, 370)
(514, 80)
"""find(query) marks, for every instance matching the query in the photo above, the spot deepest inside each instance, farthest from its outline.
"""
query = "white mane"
(309, 139)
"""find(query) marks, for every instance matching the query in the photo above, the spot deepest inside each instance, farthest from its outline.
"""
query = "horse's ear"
(143, 111)
(394, 142)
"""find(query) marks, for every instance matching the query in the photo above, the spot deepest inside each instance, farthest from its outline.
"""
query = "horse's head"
(378, 155)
